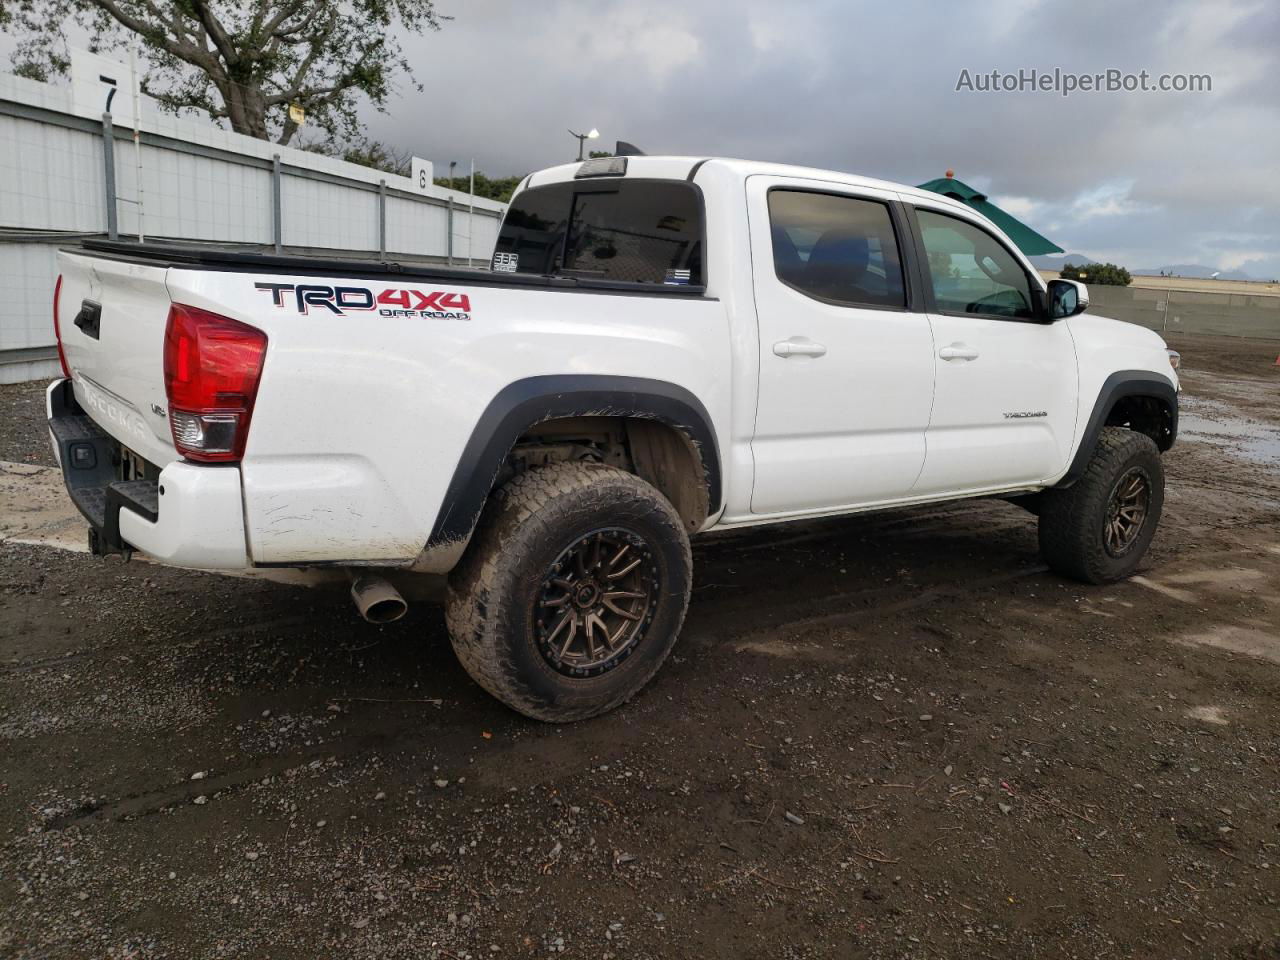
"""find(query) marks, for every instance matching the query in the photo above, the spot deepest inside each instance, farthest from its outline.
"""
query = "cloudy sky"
(1144, 179)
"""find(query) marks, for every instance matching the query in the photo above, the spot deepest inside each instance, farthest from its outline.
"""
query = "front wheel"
(572, 591)
(1098, 529)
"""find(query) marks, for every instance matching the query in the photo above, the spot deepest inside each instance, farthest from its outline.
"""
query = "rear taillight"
(212, 365)
(57, 328)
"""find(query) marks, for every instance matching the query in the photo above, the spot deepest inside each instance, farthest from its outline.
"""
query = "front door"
(846, 364)
(1004, 408)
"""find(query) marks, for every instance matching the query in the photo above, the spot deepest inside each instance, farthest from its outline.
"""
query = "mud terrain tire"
(1099, 528)
(542, 552)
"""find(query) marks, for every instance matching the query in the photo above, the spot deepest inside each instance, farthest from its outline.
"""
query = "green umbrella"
(1028, 241)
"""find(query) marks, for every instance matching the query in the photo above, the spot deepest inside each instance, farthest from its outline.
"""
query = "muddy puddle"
(1220, 424)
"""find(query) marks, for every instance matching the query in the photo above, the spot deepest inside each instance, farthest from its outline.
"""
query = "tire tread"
(1068, 515)
(478, 618)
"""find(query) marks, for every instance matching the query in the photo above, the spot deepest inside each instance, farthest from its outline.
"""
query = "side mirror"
(1067, 298)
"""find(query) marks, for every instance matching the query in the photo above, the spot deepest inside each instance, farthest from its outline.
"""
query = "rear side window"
(636, 231)
(836, 249)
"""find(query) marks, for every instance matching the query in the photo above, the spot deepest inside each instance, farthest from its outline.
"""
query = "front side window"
(836, 249)
(971, 271)
(633, 231)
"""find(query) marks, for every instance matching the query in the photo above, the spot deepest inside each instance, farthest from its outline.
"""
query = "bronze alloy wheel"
(1127, 511)
(1098, 529)
(596, 602)
(572, 591)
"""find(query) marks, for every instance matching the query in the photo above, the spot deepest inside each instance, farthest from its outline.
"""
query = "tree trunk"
(286, 134)
(247, 110)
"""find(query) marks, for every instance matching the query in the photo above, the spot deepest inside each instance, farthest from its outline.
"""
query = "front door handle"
(958, 351)
(798, 347)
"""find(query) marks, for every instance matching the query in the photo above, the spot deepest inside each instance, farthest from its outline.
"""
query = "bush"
(1106, 274)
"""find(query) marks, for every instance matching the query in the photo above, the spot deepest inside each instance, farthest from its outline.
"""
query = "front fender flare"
(1121, 384)
(525, 403)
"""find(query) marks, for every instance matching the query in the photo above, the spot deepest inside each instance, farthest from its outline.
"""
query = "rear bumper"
(190, 516)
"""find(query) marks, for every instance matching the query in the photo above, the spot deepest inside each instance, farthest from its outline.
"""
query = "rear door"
(1005, 390)
(846, 357)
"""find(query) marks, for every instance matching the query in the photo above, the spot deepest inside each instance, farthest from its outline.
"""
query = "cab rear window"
(638, 231)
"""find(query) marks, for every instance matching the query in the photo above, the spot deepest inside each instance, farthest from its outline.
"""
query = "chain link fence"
(1189, 312)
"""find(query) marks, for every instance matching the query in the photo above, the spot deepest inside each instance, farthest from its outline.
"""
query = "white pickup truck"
(662, 347)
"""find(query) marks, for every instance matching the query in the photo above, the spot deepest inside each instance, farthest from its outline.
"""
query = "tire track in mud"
(868, 604)
(798, 614)
(148, 801)
(868, 609)
(189, 640)
(403, 734)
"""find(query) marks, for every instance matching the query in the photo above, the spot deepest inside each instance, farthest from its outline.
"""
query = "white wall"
(199, 183)
(193, 198)
(27, 275)
(326, 215)
(50, 177)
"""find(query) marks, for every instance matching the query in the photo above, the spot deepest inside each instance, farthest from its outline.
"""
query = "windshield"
(637, 231)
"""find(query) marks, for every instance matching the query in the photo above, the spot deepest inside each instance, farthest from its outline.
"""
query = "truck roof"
(680, 168)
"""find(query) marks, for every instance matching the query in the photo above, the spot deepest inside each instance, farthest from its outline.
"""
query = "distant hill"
(1195, 270)
(1054, 261)
(1190, 270)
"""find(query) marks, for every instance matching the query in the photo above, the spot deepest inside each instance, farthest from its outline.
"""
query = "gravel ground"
(892, 735)
(25, 437)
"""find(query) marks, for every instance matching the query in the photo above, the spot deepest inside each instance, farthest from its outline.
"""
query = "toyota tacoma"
(660, 347)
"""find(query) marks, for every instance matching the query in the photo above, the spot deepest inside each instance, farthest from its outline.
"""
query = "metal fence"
(1189, 312)
(69, 171)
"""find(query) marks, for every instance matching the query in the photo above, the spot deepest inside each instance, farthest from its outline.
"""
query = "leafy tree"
(499, 189)
(385, 157)
(242, 60)
(367, 153)
(1106, 274)
(598, 154)
(940, 265)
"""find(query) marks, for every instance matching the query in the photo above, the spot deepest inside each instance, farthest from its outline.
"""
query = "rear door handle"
(958, 351)
(798, 347)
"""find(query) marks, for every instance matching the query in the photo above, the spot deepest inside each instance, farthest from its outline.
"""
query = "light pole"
(449, 248)
(584, 137)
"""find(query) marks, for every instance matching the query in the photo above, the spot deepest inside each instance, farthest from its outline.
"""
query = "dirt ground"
(894, 735)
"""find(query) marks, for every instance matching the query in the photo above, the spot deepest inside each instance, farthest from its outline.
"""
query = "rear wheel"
(1098, 529)
(572, 591)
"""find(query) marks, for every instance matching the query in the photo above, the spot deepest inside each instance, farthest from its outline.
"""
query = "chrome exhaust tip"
(377, 600)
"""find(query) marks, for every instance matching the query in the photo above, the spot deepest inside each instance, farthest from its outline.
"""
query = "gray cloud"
(871, 89)
(1142, 178)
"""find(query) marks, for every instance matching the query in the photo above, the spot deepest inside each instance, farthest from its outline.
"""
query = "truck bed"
(364, 412)
(214, 258)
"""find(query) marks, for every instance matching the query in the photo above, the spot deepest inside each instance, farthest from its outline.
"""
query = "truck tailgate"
(111, 317)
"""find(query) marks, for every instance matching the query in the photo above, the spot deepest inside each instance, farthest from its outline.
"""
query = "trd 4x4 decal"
(390, 302)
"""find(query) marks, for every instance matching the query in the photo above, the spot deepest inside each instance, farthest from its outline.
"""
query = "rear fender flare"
(526, 403)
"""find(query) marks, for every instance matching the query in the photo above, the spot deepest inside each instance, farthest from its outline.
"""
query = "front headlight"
(1175, 358)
